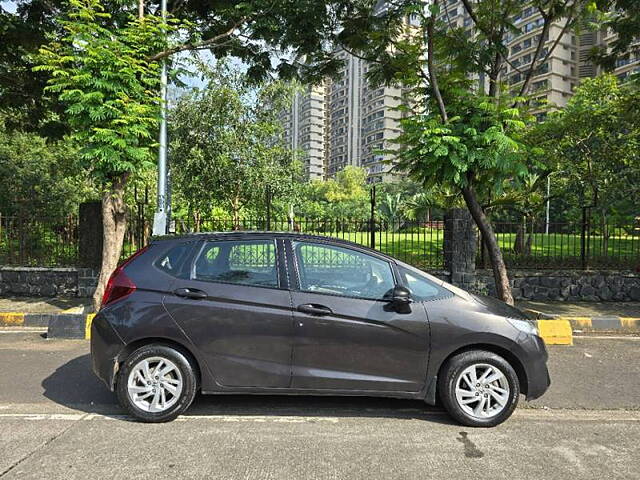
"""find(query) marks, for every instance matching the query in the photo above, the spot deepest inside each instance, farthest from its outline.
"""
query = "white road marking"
(608, 337)
(521, 414)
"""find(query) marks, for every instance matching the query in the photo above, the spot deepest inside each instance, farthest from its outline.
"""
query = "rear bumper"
(538, 379)
(106, 345)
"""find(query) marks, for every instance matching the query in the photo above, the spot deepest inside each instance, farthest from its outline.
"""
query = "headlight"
(524, 325)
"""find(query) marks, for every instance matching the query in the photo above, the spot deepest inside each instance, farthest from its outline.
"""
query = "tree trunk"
(235, 209)
(503, 289)
(518, 244)
(114, 224)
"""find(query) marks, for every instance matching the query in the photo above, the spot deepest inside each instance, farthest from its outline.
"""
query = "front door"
(236, 310)
(347, 336)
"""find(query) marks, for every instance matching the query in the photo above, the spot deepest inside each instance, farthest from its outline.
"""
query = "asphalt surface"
(58, 421)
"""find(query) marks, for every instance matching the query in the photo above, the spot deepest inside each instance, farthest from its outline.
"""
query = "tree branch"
(209, 43)
(431, 67)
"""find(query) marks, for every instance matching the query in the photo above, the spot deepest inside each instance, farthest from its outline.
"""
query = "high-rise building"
(346, 121)
(344, 115)
(305, 129)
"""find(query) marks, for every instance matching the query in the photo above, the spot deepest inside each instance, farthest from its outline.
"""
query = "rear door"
(347, 336)
(235, 307)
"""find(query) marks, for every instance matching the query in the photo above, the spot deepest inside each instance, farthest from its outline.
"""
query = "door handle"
(314, 309)
(190, 293)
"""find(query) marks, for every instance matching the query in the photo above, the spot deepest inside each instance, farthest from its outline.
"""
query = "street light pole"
(160, 219)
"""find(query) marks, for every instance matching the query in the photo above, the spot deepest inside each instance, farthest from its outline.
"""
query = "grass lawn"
(423, 248)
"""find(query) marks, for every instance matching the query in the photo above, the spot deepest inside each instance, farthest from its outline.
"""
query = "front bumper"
(538, 379)
(106, 345)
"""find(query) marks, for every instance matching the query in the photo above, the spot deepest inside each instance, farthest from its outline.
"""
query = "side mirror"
(401, 299)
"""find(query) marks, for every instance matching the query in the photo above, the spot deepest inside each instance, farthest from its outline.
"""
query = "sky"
(8, 6)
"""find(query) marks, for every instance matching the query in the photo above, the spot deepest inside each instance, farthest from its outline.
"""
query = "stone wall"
(571, 286)
(47, 282)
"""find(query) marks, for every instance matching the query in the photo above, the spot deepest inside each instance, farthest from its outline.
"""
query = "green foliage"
(108, 86)
(594, 143)
(344, 196)
(39, 179)
(226, 147)
(479, 144)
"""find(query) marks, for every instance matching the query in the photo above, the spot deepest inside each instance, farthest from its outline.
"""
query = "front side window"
(421, 288)
(242, 262)
(340, 271)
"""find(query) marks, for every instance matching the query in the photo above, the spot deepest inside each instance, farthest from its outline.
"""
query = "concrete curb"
(59, 325)
(555, 330)
(594, 324)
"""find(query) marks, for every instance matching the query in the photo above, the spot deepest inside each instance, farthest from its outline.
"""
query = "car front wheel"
(479, 388)
(156, 383)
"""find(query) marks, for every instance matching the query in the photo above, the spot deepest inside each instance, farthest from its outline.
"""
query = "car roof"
(248, 234)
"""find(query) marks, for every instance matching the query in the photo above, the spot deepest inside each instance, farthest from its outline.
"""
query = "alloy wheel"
(154, 384)
(482, 391)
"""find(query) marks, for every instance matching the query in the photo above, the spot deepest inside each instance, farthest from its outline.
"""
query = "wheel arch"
(505, 353)
(183, 349)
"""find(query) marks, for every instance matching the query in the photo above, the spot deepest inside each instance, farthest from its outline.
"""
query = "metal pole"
(372, 219)
(546, 228)
(160, 217)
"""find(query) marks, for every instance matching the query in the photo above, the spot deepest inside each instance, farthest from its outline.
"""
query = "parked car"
(273, 313)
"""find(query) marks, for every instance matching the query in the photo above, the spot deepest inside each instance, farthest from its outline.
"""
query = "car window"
(241, 262)
(171, 260)
(421, 287)
(341, 271)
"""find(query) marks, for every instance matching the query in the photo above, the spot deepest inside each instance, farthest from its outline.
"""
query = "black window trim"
(204, 242)
(294, 262)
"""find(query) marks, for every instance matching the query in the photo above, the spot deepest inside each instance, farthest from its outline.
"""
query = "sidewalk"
(582, 309)
(43, 305)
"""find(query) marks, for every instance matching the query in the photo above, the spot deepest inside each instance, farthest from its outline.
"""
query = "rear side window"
(171, 260)
(241, 262)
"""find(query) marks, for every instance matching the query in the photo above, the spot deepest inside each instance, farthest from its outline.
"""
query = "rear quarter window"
(171, 260)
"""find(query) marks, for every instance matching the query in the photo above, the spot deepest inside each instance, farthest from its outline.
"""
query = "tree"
(622, 17)
(273, 37)
(344, 196)
(108, 87)
(227, 148)
(594, 142)
(466, 134)
(104, 69)
(39, 179)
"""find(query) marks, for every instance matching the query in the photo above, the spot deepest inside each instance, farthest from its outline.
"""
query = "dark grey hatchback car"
(285, 313)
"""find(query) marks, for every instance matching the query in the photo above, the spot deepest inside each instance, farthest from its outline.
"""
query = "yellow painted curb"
(556, 332)
(87, 325)
(580, 323)
(11, 318)
(630, 324)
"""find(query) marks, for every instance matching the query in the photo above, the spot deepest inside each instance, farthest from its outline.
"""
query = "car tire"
(156, 383)
(475, 401)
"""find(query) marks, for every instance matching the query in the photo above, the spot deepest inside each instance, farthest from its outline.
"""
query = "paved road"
(58, 421)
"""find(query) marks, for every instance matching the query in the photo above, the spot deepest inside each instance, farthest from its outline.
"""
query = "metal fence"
(54, 242)
(38, 241)
(416, 242)
(578, 245)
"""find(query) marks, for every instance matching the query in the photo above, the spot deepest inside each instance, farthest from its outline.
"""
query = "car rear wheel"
(156, 383)
(479, 388)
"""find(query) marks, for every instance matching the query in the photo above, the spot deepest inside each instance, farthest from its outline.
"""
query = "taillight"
(119, 285)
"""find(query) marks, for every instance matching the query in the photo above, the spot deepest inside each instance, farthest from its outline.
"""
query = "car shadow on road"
(73, 385)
